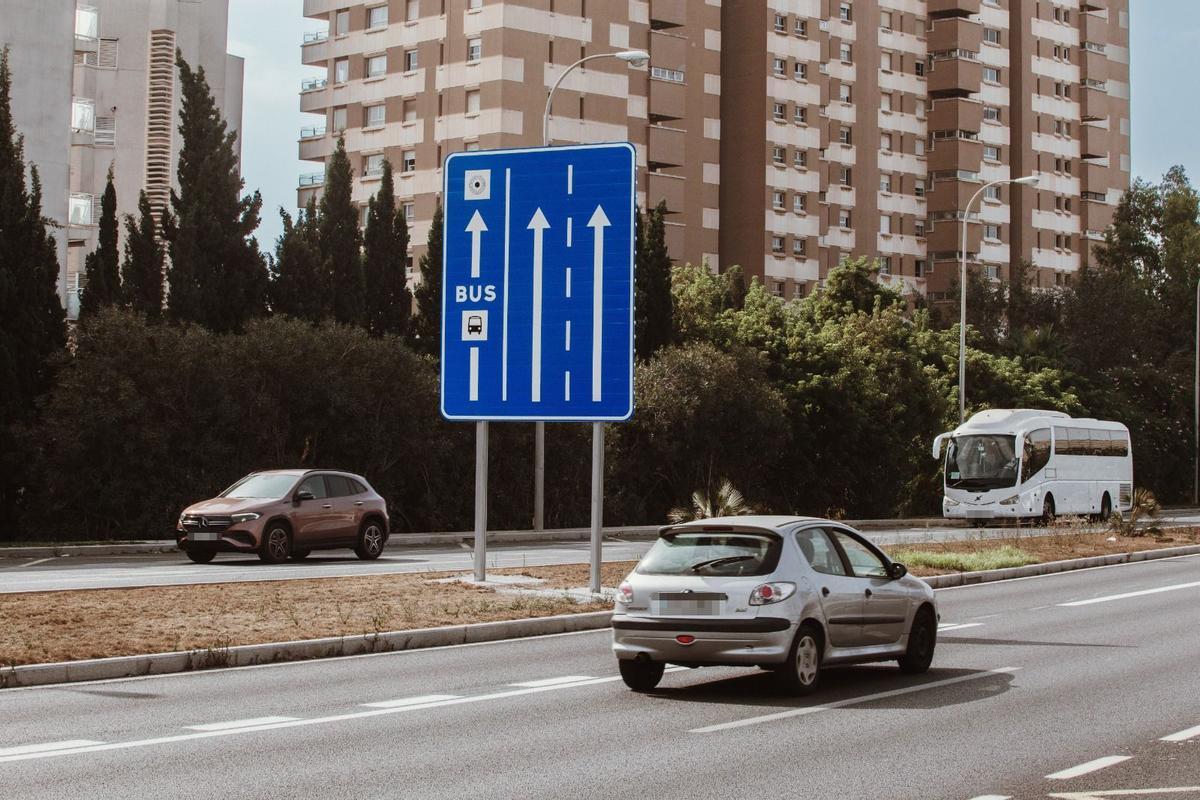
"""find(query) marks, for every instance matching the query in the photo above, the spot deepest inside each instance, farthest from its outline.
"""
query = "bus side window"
(1037, 452)
(1119, 444)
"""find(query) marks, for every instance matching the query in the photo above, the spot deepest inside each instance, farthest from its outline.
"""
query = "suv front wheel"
(276, 544)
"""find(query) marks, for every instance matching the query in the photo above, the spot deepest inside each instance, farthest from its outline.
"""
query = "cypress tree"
(300, 285)
(32, 321)
(426, 328)
(102, 266)
(388, 303)
(341, 240)
(652, 279)
(218, 277)
(142, 271)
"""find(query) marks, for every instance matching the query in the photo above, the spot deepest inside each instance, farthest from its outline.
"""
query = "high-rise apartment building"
(95, 86)
(783, 135)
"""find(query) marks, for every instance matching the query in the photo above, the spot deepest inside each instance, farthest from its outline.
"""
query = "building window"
(800, 71)
(798, 249)
(778, 154)
(471, 147)
(991, 152)
(377, 17)
(991, 75)
(80, 209)
(375, 116)
(800, 115)
(885, 21)
(373, 164)
(799, 202)
(412, 10)
(844, 92)
(410, 60)
(844, 175)
(885, 102)
(376, 66)
(83, 115)
(780, 23)
(991, 35)
(919, 146)
(991, 114)
(919, 68)
(844, 12)
(474, 50)
(844, 218)
(919, 268)
(410, 212)
(777, 244)
(920, 109)
(408, 161)
(779, 111)
(846, 53)
(844, 135)
(341, 70)
(800, 28)
(339, 119)
(991, 231)
(777, 200)
(992, 193)
(885, 224)
(885, 265)
(341, 25)
(919, 227)
(800, 159)
(87, 22)
(885, 60)
(473, 101)
(410, 110)
(885, 183)
(919, 187)
(780, 67)
(473, 4)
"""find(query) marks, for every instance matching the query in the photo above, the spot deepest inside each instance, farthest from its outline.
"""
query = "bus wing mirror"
(937, 445)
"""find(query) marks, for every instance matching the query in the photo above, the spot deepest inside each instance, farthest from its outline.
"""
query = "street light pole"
(1029, 180)
(1196, 412)
(634, 58)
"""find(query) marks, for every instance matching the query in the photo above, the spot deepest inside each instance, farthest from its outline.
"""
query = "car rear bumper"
(735, 642)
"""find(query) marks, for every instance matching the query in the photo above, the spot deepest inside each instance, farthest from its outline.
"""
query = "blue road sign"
(537, 284)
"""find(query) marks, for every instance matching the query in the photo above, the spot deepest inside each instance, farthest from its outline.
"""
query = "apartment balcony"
(1093, 28)
(1093, 103)
(954, 77)
(315, 49)
(1094, 141)
(667, 14)
(666, 99)
(320, 9)
(665, 147)
(1093, 65)
(1096, 215)
(955, 33)
(674, 234)
(312, 179)
(671, 188)
(956, 114)
(1094, 177)
(948, 154)
(1093, 5)
(314, 145)
(952, 8)
(945, 236)
(945, 195)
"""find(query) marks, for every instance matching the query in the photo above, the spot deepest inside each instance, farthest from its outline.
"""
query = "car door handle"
(327, 505)
(869, 592)
(358, 502)
(825, 591)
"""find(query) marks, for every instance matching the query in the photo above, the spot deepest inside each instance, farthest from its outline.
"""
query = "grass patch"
(960, 561)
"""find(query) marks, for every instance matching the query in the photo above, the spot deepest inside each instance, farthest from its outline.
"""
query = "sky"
(1165, 92)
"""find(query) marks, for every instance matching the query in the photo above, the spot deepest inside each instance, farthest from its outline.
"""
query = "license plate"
(694, 608)
(204, 536)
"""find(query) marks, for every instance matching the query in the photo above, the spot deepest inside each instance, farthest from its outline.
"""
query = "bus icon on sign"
(474, 325)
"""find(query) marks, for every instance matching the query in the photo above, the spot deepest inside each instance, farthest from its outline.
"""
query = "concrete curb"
(244, 655)
(1051, 567)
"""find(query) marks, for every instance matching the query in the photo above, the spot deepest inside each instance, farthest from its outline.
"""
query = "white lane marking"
(554, 681)
(1096, 795)
(473, 387)
(411, 701)
(1065, 573)
(39, 561)
(238, 723)
(1094, 765)
(1126, 595)
(46, 747)
(992, 797)
(852, 701)
(504, 326)
(1182, 736)
(957, 626)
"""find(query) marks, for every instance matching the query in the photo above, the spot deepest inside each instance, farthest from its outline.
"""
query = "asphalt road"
(1049, 686)
(159, 569)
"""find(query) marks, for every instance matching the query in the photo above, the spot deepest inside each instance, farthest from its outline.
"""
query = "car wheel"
(921, 641)
(641, 676)
(276, 545)
(299, 553)
(370, 541)
(201, 556)
(1048, 510)
(801, 673)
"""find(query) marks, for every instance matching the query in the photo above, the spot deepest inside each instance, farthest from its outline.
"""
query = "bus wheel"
(1048, 510)
(1105, 508)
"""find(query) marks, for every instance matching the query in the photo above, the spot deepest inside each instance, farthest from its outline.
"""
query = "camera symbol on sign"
(474, 326)
(477, 184)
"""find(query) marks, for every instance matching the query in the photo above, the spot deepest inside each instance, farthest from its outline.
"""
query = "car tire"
(922, 639)
(201, 556)
(299, 553)
(1105, 508)
(371, 539)
(276, 544)
(639, 675)
(1048, 510)
(801, 673)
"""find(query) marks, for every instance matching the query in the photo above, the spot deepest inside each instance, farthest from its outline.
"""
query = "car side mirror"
(896, 570)
(304, 494)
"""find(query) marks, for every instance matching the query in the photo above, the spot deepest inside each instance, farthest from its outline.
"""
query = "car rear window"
(708, 553)
(339, 486)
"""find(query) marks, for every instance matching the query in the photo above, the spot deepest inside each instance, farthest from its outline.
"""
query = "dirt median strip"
(51, 627)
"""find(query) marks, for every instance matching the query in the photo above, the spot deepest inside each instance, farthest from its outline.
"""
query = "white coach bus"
(1020, 463)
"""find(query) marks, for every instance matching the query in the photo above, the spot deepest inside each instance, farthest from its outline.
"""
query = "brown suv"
(284, 514)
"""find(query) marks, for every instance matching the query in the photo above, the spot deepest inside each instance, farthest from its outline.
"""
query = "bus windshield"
(981, 462)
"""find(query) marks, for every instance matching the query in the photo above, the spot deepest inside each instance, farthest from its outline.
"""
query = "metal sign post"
(537, 297)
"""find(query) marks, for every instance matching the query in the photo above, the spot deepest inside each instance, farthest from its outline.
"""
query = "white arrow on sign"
(475, 227)
(597, 223)
(538, 225)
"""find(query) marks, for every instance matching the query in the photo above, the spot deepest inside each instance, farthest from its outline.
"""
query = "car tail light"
(625, 593)
(772, 593)
(685, 638)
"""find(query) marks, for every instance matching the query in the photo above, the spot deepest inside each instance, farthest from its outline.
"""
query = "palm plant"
(1144, 504)
(726, 501)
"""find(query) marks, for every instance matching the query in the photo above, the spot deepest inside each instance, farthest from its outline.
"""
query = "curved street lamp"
(634, 58)
(1028, 180)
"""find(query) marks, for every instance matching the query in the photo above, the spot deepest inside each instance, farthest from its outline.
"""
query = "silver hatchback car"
(787, 594)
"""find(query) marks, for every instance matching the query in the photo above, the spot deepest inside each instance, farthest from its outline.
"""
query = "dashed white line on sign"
(239, 723)
(412, 701)
(1182, 736)
(1094, 765)
(553, 681)
(46, 747)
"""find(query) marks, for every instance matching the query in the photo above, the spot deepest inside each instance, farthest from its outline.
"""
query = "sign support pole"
(597, 504)
(481, 498)
(539, 476)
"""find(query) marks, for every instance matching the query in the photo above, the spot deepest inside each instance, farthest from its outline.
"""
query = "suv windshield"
(265, 486)
(705, 553)
(981, 462)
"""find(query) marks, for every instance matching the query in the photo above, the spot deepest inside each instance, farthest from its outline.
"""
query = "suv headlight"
(1008, 501)
(246, 517)
(772, 593)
